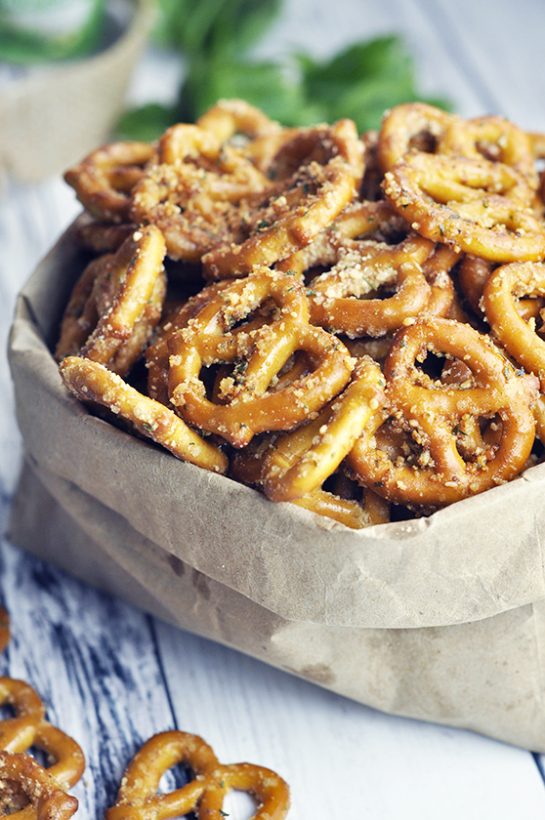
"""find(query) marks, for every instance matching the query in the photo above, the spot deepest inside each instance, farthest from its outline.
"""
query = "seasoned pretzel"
(19, 732)
(358, 267)
(407, 127)
(233, 118)
(138, 798)
(23, 780)
(4, 629)
(319, 170)
(103, 237)
(104, 180)
(116, 304)
(90, 381)
(494, 138)
(476, 205)
(473, 275)
(504, 288)
(294, 466)
(259, 355)
(430, 411)
(194, 194)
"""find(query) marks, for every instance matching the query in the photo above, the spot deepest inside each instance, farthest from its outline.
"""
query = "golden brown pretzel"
(194, 193)
(317, 173)
(408, 127)
(92, 382)
(429, 412)
(294, 466)
(229, 118)
(18, 733)
(116, 303)
(104, 180)
(495, 138)
(138, 797)
(258, 355)
(482, 207)
(103, 237)
(357, 267)
(504, 288)
(24, 781)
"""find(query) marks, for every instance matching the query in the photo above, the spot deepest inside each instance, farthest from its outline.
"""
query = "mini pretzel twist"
(344, 298)
(318, 171)
(410, 127)
(23, 780)
(27, 791)
(138, 798)
(294, 466)
(116, 303)
(104, 180)
(482, 207)
(195, 194)
(92, 382)
(258, 355)
(429, 413)
(504, 291)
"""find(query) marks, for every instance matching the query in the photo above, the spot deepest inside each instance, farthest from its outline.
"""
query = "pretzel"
(103, 237)
(234, 118)
(117, 303)
(258, 355)
(318, 171)
(430, 412)
(473, 276)
(104, 180)
(18, 733)
(495, 139)
(194, 194)
(138, 798)
(410, 126)
(294, 466)
(90, 381)
(476, 205)
(358, 267)
(23, 780)
(4, 629)
(502, 291)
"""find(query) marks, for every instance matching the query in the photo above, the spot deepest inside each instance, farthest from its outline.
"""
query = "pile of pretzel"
(29, 791)
(353, 324)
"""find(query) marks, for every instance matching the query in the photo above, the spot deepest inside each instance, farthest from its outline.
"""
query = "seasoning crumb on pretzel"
(278, 283)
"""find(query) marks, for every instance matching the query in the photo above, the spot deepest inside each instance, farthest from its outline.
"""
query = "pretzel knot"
(504, 291)
(252, 402)
(104, 180)
(195, 192)
(138, 798)
(116, 303)
(294, 466)
(482, 207)
(367, 254)
(316, 174)
(39, 791)
(24, 783)
(427, 418)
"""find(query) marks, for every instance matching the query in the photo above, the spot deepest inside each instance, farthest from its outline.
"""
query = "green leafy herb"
(214, 38)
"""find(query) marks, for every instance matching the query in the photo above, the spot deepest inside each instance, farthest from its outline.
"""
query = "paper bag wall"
(441, 618)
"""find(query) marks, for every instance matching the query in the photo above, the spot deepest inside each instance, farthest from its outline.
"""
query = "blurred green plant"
(215, 37)
(28, 35)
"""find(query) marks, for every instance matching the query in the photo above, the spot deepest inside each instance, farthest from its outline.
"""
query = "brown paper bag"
(441, 618)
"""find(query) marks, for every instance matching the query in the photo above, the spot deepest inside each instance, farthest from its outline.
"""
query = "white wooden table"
(112, 676)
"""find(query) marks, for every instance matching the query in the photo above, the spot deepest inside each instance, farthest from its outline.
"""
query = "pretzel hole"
(41, 756)
(175, 778)
(239, 806)
(424, 141)
(7, 711)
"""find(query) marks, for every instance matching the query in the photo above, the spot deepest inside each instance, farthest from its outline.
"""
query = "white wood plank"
(342, 759)
(93, 661)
